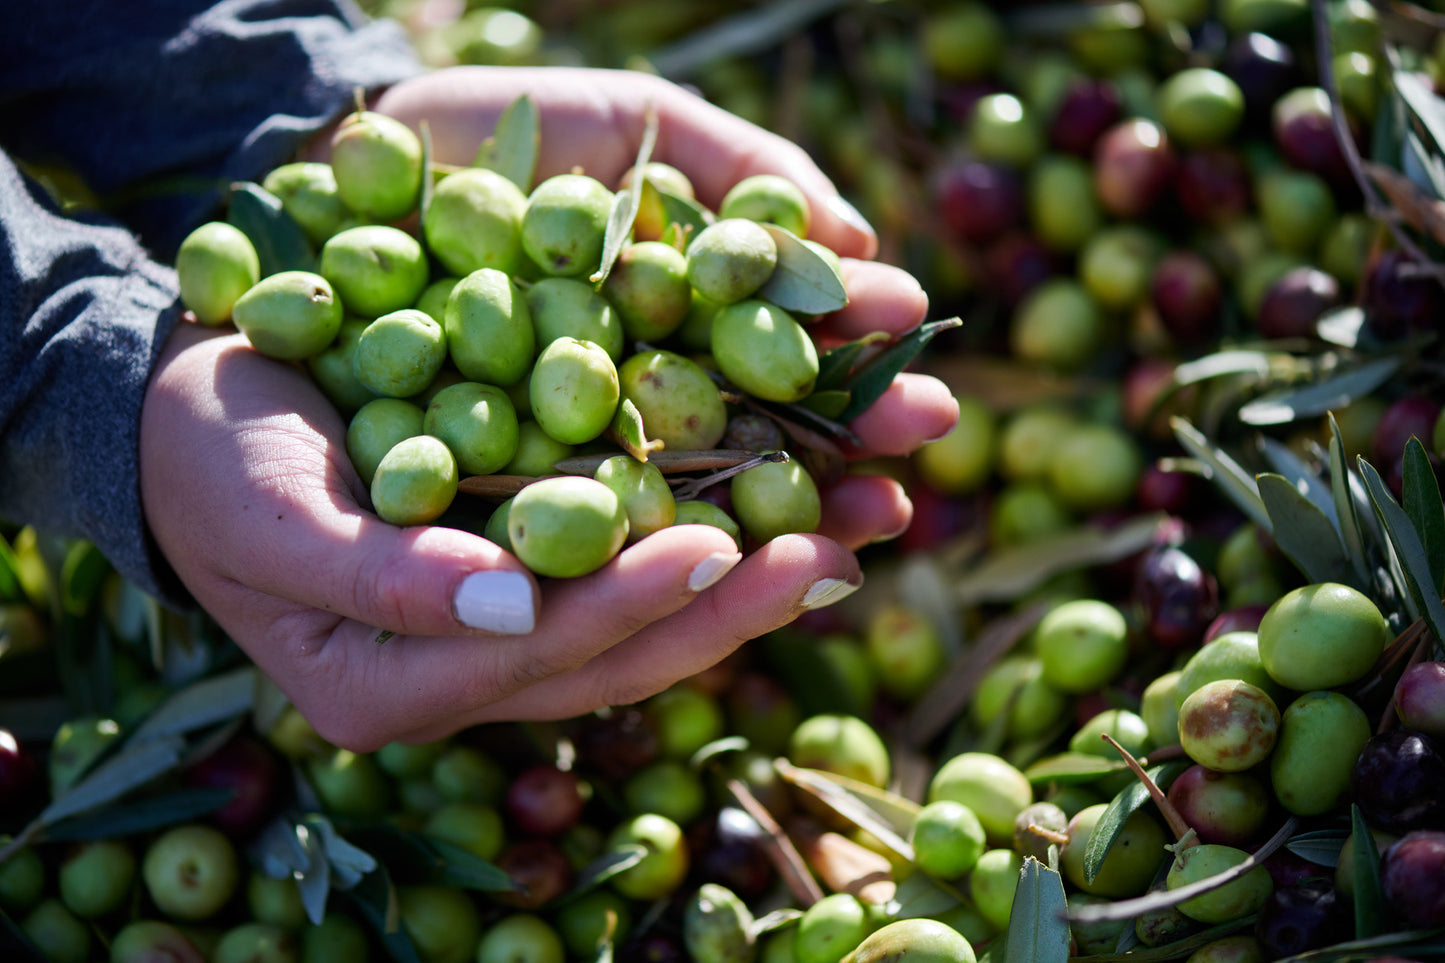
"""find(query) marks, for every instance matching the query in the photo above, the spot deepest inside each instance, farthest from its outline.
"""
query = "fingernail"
(848, 214)
(826, 591)
(496, 601)
(707, 572)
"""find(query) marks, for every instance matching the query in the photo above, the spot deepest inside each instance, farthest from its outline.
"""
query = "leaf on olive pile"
(887, 816)
(1232, 479)
(1419, 586)
(204, 702)
(1300, 475)
(1424, 507)
(606, 866)
(1372, 914)
(1321, 846)
(1358, 527)
(1128, 801)
(152, 812)
(835, 364)
(1071, 768)
(1038, 930)
(514, 145)
(625, 204)
(688, 215)
(1304, 533)
(1317, 397)
(376, 901)
(280, 243)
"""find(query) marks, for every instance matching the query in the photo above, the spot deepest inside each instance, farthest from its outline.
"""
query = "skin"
(250, 496)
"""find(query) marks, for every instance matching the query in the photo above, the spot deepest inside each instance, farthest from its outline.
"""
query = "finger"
(430, 686)
(913, 410)
(596, 118)
(881, 297)
(862, 509)
(766, 591)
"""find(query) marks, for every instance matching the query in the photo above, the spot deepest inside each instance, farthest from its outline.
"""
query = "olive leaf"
(1351, 506)
(128, 769)
(82, 575)
(1421, 490)
(376, 901)
(11, 588)
(1233, 481)
(886, 816)
(1127, 802)
(313, 882)
(515, 143)
(1070, 768)
(1321, 847)
(1302, 476)
(686, 214)
(625, 204)
(829, 404)
(868, 382)
(803, 281)
(1407, 548)
(1343, 326)
(154, 811)
(1038, 929)
(1318, 396)
(922, 896)
(835, 364)
(606, 866)
(349, 862)
(280, 243)
(1005, 575)
(202, 703)
(1179, 949)
(629, 432)
(1303, 532)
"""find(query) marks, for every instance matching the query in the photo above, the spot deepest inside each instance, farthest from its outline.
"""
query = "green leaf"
(835, 364)
(690, 216)
(141, 816)
(1321, 847)
(1179, 949)
(1070, 768)
(1301, 475)
(82, 575)
(829, 404)
(1038, 929)
(375, 899)
(132, 767)
(1406, 545)
(1302, 531)
(462, 867)
(11, 588)
(203, 703)
(1422, 504)
(1372, 913)
(803, 281)
(625, 204)
(1423, 102)
(630, 433)
(606, 866)
(280, 243)
(872, 379)
(1234, 481)
(1128, 801)
(515, 143)
(1348, 495)
(349, 862)
(1004, 575)
(921, 896)
(1317, 397)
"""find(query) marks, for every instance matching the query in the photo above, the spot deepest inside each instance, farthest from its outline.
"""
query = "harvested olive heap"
(571, 353)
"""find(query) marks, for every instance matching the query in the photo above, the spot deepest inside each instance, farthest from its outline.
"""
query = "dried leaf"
(803, 281)
(514, 145)
(843, 865)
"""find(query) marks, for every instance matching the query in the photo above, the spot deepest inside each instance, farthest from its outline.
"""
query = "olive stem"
(1183, 832)
(786, 858)
(691, 489)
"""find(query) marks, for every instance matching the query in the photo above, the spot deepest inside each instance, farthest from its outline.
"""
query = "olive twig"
(692, 488)
(1183, 832)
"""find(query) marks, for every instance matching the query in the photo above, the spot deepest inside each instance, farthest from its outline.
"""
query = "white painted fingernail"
(496, 601)
(707, 572)
(848, 214)
(826, 591)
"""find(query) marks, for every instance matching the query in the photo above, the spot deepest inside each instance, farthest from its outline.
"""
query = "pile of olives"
(475, 329)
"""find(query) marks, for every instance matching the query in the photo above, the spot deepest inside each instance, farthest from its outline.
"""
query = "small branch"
(786, 858)
(1181, 829)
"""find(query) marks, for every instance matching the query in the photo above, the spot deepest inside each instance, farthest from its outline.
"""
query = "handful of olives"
(482, 337)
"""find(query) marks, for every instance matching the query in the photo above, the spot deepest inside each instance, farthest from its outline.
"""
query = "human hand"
(250, 495)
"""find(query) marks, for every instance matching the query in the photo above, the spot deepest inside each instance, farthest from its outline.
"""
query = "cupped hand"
(250, 495)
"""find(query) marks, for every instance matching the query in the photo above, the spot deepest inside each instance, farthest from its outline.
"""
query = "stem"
(784, 854)
(1181, 829)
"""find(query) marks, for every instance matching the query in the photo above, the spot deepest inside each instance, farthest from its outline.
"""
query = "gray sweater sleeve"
(157, 105)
